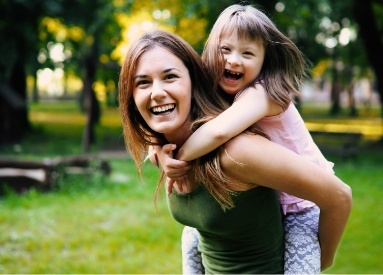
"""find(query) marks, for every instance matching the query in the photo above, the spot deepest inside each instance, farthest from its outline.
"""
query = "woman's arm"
(268, 164)
(251, 106)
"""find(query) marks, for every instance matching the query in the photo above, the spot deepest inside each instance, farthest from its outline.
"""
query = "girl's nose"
(234, 60)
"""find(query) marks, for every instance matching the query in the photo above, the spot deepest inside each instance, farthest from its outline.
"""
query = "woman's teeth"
(162, 109)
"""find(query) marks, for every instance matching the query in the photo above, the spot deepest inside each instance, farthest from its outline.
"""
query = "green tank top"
(247, 239)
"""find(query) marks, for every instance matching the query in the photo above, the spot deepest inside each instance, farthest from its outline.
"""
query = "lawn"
(102, 225)
(109, 224)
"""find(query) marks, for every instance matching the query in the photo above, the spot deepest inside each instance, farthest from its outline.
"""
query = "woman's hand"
(175, 170)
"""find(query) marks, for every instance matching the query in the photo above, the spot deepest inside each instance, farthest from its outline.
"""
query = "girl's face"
(243, 62)
(162, 92)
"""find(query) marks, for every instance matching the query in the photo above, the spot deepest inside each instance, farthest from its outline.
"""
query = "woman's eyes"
(145, 82)
(142, 83)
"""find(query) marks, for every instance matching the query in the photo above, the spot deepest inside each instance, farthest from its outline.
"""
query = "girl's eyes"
(225, 49)
(248, 53)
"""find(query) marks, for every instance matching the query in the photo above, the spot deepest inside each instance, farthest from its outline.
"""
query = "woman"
(163, 99)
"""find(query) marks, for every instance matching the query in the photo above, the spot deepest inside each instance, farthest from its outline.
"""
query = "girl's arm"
(268, 164)
(251, 106)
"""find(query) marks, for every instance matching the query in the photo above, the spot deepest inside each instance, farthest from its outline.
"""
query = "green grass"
(361, 248)
(108, 224)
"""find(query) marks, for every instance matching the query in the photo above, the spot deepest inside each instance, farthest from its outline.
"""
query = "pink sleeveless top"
(289, 130)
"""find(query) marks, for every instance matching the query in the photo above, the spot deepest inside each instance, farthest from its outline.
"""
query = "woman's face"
(162, 92)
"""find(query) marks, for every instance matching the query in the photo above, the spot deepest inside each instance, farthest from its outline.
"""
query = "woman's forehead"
(158, 57)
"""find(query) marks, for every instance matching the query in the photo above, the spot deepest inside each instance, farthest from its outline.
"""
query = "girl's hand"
(174, 169)
(180, 185)
(152, 156)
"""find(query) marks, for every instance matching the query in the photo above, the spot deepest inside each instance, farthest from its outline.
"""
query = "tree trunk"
(372, 39)
(35, 91)
(351, 99)
(91, 104)
(14, 121)
(335, 92)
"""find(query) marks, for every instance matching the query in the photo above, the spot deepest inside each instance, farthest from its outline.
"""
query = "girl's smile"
(243, 62)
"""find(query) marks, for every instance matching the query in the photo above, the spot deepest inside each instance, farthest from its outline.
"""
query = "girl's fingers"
(169, 185)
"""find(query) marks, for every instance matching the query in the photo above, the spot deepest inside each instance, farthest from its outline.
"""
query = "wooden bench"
(344, 144)
(21, 175)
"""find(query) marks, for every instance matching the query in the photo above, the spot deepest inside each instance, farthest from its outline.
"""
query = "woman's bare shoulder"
(239, 149)
(241, 142)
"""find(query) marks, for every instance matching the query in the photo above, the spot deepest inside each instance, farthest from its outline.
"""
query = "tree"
(94, 37)
(96, 18)
(367, 13)
(19, 36)
(20, 27)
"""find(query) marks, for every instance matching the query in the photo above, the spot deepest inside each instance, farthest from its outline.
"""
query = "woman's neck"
(180, 136)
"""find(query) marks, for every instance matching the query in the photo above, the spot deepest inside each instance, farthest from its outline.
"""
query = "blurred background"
(59, 69)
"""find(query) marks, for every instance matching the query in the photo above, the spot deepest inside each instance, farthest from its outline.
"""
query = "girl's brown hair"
(284, 65)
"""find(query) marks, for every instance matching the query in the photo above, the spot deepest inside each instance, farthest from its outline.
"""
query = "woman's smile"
(162, 92)
(161, 110)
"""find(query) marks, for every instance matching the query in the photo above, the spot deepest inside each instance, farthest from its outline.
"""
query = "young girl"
(259, 69)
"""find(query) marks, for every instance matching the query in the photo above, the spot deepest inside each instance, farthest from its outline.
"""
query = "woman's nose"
(158, 91)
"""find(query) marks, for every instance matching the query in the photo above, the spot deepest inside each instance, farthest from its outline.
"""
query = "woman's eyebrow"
(140, 76)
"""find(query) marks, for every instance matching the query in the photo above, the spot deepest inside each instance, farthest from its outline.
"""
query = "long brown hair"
(284, 65)
(206, 104)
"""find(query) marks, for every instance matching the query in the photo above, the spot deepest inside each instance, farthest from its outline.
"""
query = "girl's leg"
(302, 249)
(191, 257)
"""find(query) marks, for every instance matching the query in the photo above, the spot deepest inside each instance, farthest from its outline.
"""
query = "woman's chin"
(164, 128)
